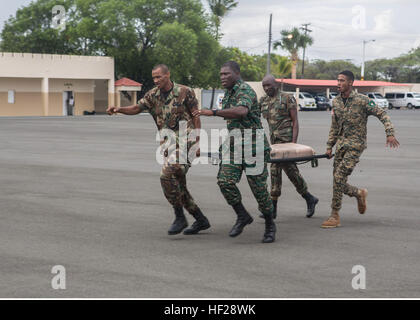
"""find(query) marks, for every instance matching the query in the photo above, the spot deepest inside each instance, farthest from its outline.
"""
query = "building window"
(11, 96)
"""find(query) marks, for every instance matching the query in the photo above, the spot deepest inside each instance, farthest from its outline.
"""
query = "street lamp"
(363, 60)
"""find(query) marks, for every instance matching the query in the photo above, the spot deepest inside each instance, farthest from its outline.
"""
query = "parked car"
(331, 98)
(306, 101)
(321, 101)
(403, 99)
(378, 99)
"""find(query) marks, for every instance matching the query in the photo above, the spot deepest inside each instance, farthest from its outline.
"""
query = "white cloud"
(383, 21)
(393, 24)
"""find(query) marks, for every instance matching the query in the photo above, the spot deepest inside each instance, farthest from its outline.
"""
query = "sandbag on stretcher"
(290, 150)
(294, 152)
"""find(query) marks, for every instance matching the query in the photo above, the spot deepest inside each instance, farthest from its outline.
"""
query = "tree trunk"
(294, 63)
(293, 69)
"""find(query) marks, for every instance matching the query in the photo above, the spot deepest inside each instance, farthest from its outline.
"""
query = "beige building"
(54, 85)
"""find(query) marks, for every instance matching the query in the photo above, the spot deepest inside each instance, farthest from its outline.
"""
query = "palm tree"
(219, 9)
(282, 68)
(292, 41)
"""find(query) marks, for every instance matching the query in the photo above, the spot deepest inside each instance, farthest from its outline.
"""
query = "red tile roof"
(333, 83)
(125, 82)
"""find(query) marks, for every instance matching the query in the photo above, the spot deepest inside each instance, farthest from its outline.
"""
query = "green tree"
(282, 66)
(252, 66)
(178, 54)
(293, 40)
(131, 31)
(328, 70)
(405, 68)
(219, 9)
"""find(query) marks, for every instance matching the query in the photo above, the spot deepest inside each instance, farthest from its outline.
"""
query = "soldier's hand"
(198, 153)
(196, 113)
(112, 110)
(329, 153)
(392, 142)
(202, 112)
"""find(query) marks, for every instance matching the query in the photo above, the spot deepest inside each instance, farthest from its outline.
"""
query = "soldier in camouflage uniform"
(240, 108)
(280, 111)
(170, 103)
(348, 132)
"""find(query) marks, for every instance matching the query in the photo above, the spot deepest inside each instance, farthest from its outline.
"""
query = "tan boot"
(361, 200)
(333, 220)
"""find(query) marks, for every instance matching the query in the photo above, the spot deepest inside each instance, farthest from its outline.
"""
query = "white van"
(306, 101)
(380, 101)
(403, 99)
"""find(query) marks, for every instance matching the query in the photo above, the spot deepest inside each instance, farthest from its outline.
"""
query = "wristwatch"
(214, 112)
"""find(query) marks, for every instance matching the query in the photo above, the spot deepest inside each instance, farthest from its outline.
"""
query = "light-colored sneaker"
(333, 221)
(361, 200)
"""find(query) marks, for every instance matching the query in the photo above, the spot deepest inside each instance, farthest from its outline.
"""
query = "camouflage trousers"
(292, 173)
(345, 161)
(230, 174)
(174, 186)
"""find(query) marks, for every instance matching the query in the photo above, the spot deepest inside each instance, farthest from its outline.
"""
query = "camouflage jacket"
(167, 113)
(276, 110)
(349, 121)
(243, 95)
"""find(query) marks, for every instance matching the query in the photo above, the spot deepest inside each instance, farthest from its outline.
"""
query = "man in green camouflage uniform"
(348, 132)
(240, 108)
(170, 104)
(280, 111)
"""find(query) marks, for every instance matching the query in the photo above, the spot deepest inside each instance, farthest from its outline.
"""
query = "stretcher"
(285, 153)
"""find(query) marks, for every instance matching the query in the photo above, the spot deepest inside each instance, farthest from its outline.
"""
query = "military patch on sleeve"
(372, 103)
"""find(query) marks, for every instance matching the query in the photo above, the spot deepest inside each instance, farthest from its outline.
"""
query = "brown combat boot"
(361, 200)
(333, 220)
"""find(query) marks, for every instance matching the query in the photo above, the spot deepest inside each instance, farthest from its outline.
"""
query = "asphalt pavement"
(84, 193)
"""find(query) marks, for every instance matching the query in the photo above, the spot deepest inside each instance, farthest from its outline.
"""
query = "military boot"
(243, 219)
(270, 230)
(333, 220)
(180, 222)
(361, 200)
(274, 212)
(311, 202)
(200, 223)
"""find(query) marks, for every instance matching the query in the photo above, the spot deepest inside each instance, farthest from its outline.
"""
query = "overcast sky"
(338, 27)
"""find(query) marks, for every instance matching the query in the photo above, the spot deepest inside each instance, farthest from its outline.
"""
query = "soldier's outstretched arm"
(374, 110)
(131, 110)
(231, 113)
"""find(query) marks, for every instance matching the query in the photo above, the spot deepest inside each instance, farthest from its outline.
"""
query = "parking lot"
(84, 193)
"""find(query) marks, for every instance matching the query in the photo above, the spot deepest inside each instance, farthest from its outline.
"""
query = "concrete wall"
(28, 65)
(39, 81)
(29, 99)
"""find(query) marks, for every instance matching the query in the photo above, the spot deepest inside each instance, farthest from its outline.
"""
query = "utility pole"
(305, 28)
(270, 37)
(363, 59)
